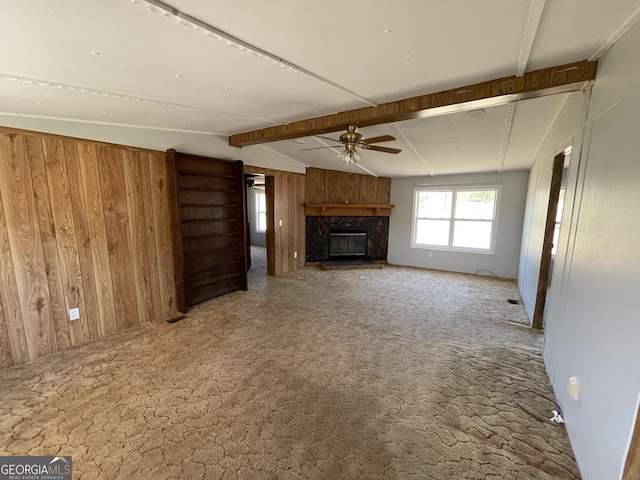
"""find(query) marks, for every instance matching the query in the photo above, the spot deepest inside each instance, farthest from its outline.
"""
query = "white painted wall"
(503, 263)
(593, 321)
(565, 132)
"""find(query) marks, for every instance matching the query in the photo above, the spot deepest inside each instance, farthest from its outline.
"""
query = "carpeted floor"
(397, 373)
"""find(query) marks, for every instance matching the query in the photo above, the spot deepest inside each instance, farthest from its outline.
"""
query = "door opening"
(551, 233)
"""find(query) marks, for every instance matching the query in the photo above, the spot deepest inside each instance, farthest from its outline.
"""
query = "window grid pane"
(432, 204)
(472, 234)
(432, 232)
(261, 211)
(475, 205)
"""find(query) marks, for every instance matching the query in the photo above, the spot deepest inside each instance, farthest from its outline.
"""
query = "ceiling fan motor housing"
(352, 138)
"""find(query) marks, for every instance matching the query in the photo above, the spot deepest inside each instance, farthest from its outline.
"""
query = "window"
(459, 218)
(261, 211)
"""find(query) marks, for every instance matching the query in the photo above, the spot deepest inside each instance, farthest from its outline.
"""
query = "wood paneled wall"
(288, 194)
(82, 225)
(330, 186)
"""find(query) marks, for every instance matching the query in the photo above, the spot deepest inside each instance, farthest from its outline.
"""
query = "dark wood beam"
(548, 81)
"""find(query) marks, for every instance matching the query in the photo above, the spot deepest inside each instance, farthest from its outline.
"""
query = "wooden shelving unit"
(348, 209)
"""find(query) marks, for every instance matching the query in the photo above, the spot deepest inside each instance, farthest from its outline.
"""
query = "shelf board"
(348, 209)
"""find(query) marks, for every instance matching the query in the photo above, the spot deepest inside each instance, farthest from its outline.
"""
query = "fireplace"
(344, 244)
(319, 229)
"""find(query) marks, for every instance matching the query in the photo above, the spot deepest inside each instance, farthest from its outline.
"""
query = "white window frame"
(454, 189)
(257, 193)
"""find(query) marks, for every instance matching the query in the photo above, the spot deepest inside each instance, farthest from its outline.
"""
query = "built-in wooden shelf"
(348, 209)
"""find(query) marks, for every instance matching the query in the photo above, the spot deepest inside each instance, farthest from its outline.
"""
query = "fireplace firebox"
(344, 244)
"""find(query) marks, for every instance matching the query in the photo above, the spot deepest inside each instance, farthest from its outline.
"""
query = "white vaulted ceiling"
(186, 74)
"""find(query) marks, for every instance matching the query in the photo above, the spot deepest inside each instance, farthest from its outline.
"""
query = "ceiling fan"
(352, 140)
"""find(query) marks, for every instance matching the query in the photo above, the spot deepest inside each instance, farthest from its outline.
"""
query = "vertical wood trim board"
(82, 225)
(162, 232)
(176, 229)
(150, 232)
(547, 244)
(632, 463)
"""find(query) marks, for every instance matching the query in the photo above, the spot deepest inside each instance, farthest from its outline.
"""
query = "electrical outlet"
(295, 254)
(280, 222)
(74, 314)
(573, 387)
(430, 254)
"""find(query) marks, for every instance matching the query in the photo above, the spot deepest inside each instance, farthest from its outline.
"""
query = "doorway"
(258, 225)
(551, 234)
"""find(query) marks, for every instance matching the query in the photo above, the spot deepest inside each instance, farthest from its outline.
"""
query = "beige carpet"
(397, 373)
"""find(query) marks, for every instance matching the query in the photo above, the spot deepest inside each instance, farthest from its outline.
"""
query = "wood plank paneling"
(82, 225)
(90, 178)
(49, 241)
(90, 315)
(150, 232)
(16, 335)
(64, 223)
(5, 346)
(330, 186)
(140, 253)
(26, 246)
(116, 220)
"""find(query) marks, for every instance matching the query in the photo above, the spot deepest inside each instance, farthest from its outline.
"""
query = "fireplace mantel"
(348, 209)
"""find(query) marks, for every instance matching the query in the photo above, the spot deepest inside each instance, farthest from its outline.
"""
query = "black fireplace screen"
(347, 244)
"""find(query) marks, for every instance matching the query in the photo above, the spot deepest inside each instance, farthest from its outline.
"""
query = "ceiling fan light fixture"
(349, 156)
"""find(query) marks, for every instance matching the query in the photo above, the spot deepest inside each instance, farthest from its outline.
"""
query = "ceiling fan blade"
(382, 149)
(318, 148)
(381, 138)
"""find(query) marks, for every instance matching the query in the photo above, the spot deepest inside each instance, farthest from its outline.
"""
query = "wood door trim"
(547, 245)
(270, 190)
(632, 464)
(176, 234)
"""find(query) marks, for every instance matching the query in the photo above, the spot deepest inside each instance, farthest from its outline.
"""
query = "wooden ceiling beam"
(548, 81)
